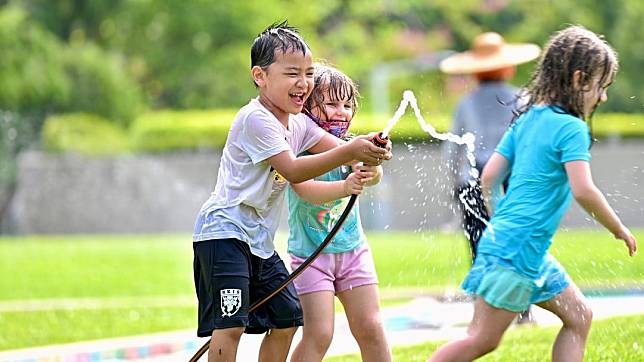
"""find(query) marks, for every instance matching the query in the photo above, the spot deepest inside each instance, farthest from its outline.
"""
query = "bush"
(100, 85)
(83, 133)
(618, 124)
(39, 74)
(170, 130)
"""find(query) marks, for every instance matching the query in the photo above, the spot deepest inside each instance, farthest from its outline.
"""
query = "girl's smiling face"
(334, 115)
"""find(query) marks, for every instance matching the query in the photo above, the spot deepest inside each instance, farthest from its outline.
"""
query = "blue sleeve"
(506, 146)
(573, 142)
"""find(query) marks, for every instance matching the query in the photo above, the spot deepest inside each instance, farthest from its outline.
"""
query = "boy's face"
(285, 84)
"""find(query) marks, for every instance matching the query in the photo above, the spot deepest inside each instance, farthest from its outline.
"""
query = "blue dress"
(513, 268)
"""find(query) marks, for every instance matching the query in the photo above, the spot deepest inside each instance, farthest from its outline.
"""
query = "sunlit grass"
(133, 276)
(37, 328)
(615, 339)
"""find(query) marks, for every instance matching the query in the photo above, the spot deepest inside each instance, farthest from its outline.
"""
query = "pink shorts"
(336, 272)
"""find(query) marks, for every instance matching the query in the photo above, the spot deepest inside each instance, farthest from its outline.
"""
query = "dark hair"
(569, 50)
(338, 85)
(278, 36)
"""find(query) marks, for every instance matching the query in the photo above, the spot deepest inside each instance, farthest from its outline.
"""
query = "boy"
(235, 261)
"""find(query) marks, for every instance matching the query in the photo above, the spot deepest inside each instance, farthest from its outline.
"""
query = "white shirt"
(248, 197)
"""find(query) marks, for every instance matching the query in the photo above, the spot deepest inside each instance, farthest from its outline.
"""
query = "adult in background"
(486, 111)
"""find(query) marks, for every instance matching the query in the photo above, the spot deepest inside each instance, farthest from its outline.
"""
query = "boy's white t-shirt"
(247, 201)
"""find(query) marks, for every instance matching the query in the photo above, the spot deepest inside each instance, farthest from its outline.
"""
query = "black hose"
(296, 272)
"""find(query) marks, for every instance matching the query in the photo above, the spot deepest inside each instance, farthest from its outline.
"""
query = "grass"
(615, 339)
(140, 284)
(38, 328)
(439, 261)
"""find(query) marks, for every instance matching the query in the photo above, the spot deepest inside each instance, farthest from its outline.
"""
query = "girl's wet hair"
(338, 85)
(569, 50)
(278, 36)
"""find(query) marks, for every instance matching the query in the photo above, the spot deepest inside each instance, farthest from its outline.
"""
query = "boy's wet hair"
(278, 36)
(569, 50)
(339, 86)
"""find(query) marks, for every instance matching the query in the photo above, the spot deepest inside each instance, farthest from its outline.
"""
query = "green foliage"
(83, 133)
(32, 76)
(618, 124)
(100, 85)
(39, 74)
(172, 130)
(195, 54)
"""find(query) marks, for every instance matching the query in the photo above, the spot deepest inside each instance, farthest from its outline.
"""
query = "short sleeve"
(573, 142)
(262, 137)
(506, 146)
(312, 134)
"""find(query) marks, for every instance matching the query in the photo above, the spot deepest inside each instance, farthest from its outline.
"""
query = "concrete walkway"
(422, 319)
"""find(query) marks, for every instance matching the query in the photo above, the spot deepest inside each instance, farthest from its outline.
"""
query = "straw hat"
(489, 52)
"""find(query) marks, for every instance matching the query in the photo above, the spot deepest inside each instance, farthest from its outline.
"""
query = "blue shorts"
(229, 279)
(502, 286)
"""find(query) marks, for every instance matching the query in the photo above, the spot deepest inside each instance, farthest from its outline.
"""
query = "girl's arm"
(495, 171)
(594, 202)
(319, 192)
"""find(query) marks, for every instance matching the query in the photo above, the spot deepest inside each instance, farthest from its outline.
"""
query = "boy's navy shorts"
(228, 279)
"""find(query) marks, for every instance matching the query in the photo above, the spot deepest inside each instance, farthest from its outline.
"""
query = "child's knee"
(369, 329)
(228, 333)
(584, 318)
(282, 332)
(485, 344)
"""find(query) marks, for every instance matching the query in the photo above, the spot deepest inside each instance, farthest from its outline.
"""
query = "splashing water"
(466, 139)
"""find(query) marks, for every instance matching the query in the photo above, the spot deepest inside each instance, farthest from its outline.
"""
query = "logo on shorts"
(231, 300)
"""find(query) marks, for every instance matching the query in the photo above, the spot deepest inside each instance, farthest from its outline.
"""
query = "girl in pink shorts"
(345, 269)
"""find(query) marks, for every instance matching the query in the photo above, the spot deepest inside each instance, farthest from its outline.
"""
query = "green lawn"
(615, 339)
(125, 285)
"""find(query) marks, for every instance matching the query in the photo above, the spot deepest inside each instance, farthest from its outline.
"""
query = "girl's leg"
(573, 310)
(319, 314)
(483, 335)
(361, 305)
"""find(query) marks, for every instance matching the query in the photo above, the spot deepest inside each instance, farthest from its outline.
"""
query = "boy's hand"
(629, 239)
(353, 184)
(363, 150)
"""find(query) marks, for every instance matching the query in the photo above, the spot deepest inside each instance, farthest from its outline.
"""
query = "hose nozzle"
(380, 140)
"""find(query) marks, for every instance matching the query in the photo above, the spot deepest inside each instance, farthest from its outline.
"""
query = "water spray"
(467, 139)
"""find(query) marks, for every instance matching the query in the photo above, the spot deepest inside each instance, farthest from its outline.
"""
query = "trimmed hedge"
(85, 134)
(170, 130)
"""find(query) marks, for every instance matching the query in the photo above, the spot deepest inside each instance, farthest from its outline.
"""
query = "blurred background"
(141, 79)
(113, 114)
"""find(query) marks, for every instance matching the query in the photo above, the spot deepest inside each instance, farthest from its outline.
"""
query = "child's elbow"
(487, 180)
(295, 178)
(584, 194)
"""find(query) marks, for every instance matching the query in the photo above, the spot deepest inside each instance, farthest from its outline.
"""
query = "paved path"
(420, 320)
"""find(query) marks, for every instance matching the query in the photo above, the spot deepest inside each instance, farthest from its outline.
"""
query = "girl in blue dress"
(546, 152)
